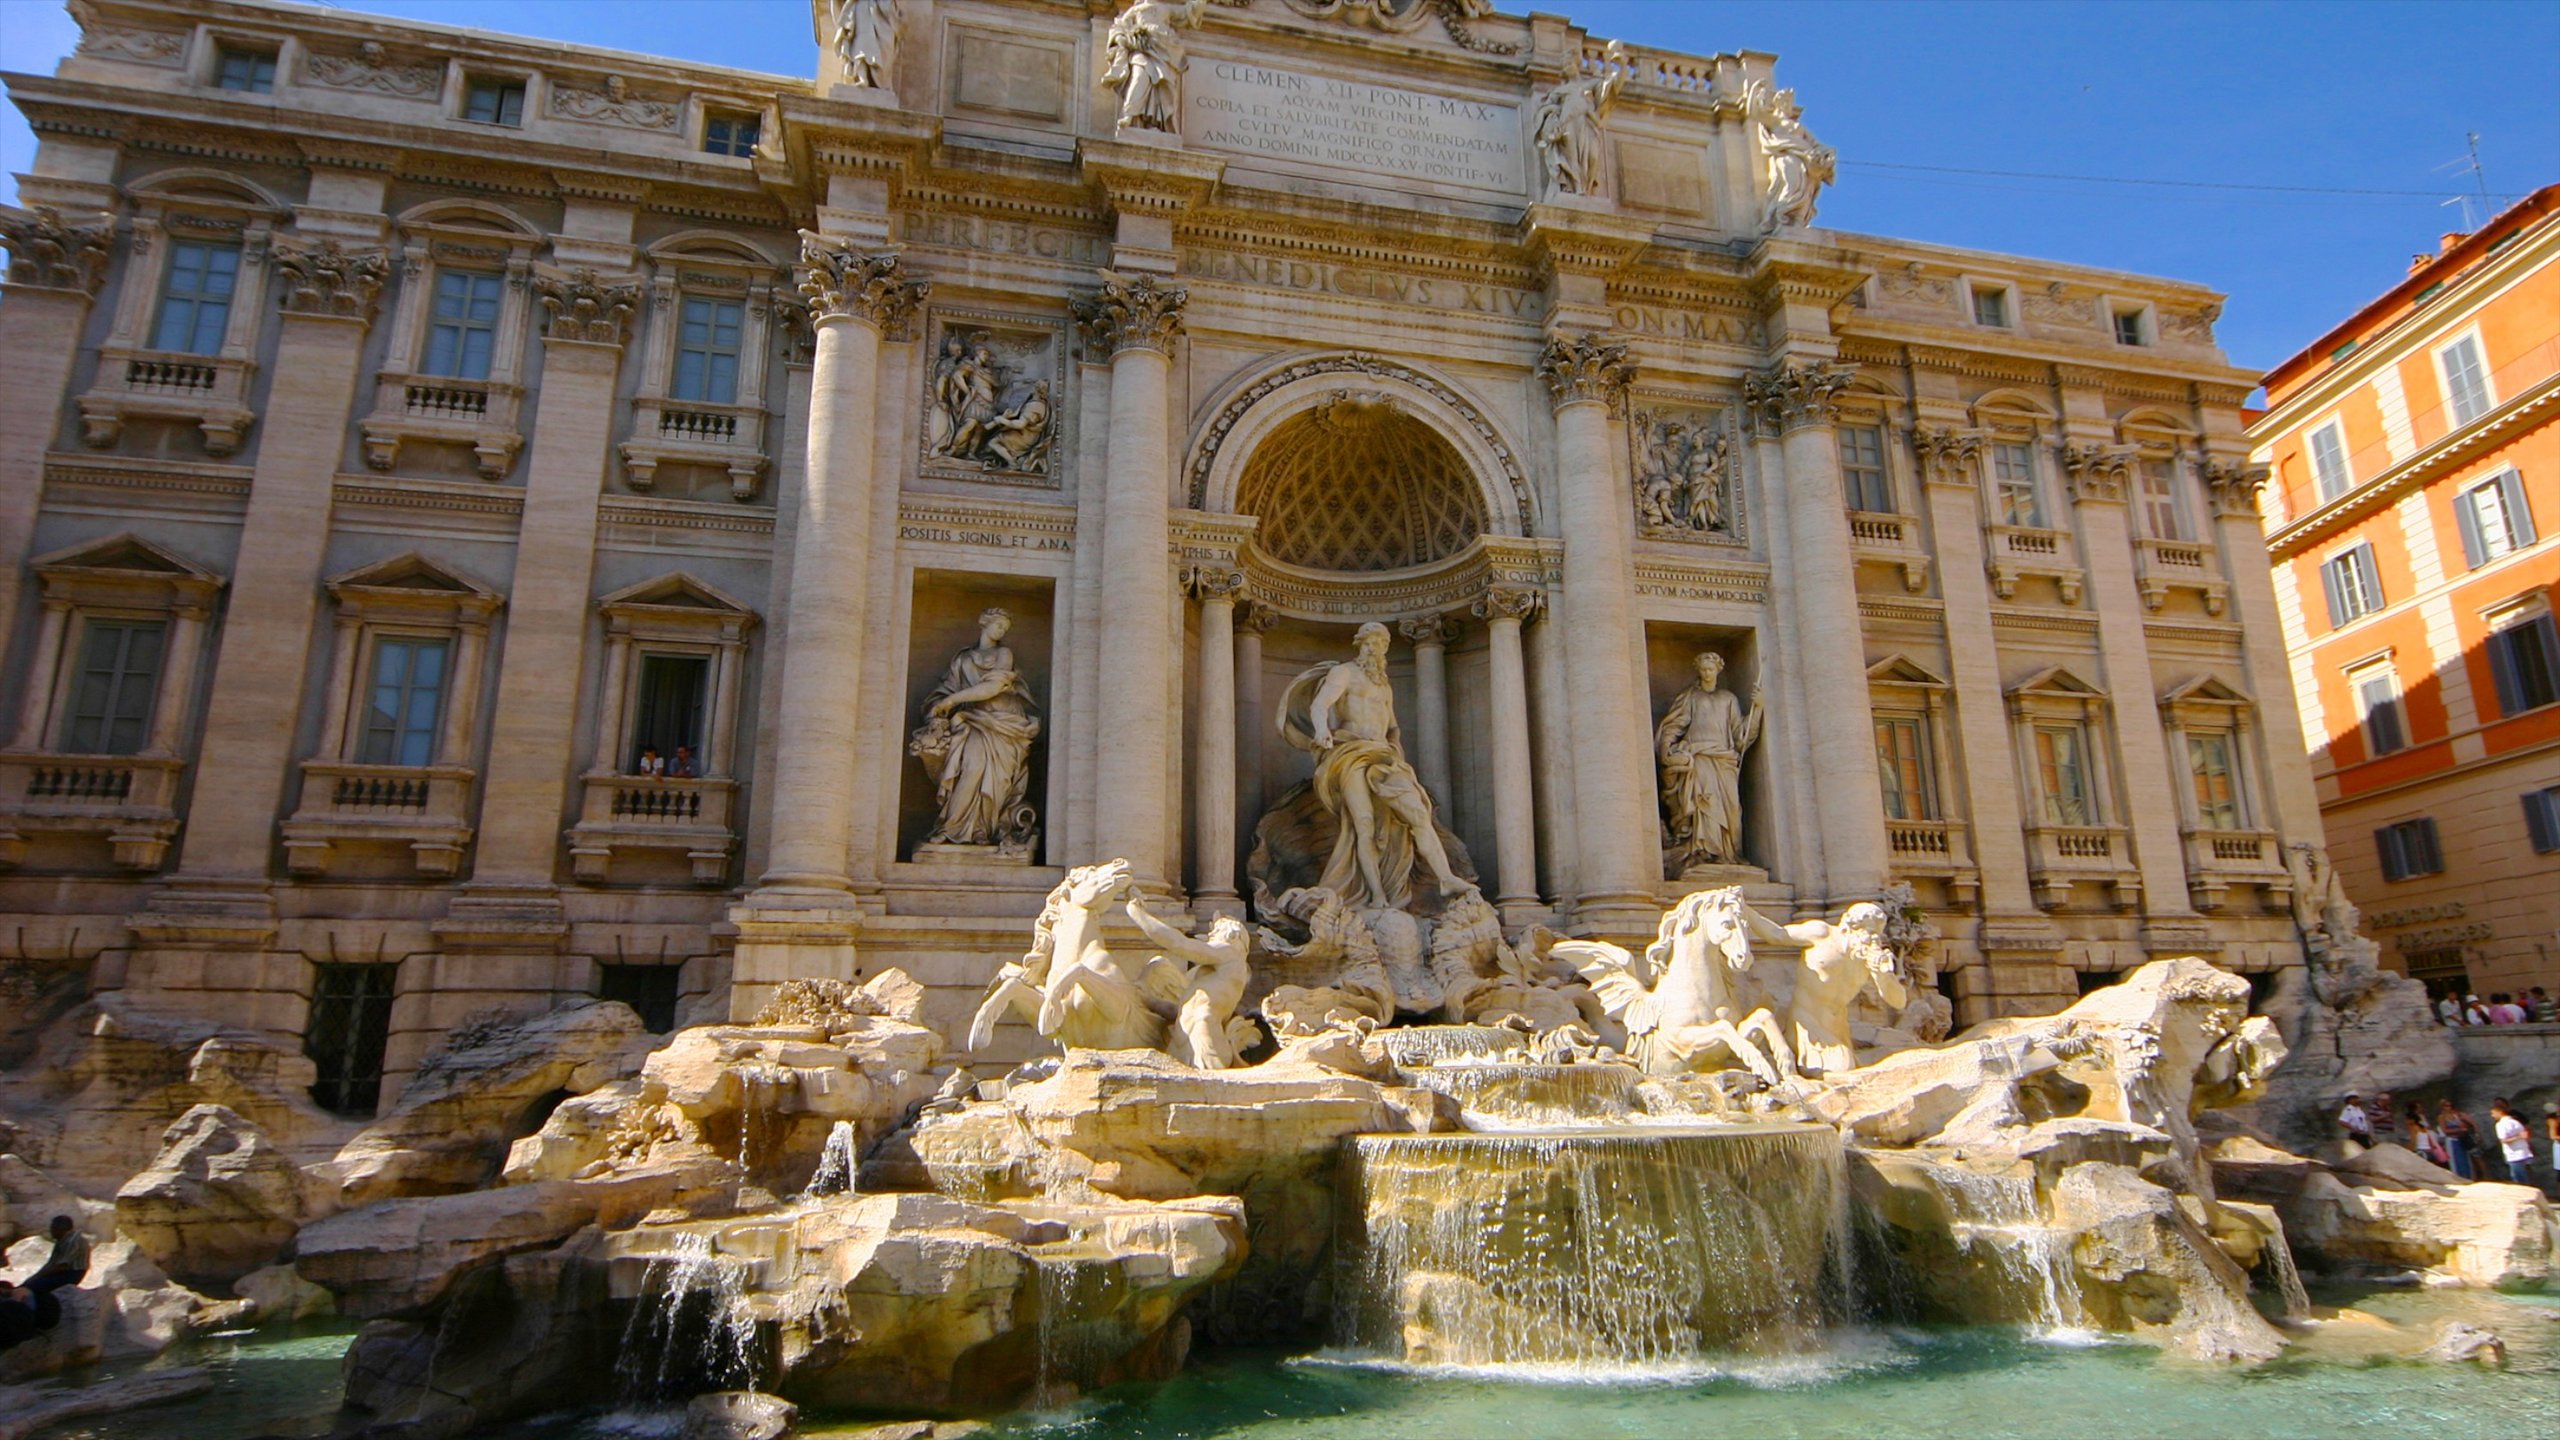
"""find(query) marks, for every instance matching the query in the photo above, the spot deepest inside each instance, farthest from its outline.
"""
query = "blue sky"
(2261, 96)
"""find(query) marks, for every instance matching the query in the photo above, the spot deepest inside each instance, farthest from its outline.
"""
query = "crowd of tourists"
(2535, 1007)
(2452, 1139)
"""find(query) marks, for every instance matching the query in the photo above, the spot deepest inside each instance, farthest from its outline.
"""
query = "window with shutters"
(2493, 517)
(1903, 766)
(2466, 380)
(2524, 657)
(1862, 468)
(494, 102)
(2329, 461)
(2409, 849)
(2353, 584)
(348, 1030)
(195, 298)
(113, 690)
(2542, 819)
(2377, 692)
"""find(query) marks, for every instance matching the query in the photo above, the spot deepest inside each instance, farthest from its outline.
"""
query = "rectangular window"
(2378, 711)
(2209, 764)
(731, 133)
(250, 70)
(403, 702)
(649, 990)
(2130, 329)
(2493, 518)
(349, 1026)
(112, 693)
(2466, 380)
(670, 709)
(1862, 468)
(1991, 306)
(2160, 510)
(2013, 474)
(195, 300)
(2353, 583)
(2062, 764)
(2329, 461)
(462, 330)
(494, 102)
(2409, 849)
(2524, 660)
(707, 351)
(1902, 764)
(2542, 819)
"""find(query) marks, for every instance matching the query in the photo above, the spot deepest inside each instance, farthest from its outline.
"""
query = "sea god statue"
(1699, 745)
(976, 739)
(1345, 714)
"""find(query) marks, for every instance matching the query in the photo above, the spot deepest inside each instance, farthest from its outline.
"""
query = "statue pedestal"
(939, 853)
(1709, 876)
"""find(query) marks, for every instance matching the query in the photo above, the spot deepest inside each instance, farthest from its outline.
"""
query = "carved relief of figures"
(976, 740)
(1684, 472)
(1795, 165)
(866, 42)
(988, 406)
(1146, 61)
(1568, 126)
(1699, 746)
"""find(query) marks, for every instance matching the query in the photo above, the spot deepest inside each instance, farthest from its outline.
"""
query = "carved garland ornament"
(325, 279)
(581, 307)
(371, 68)
(1795, 393)
(45, 252)
(1581, 369)
(1356, 363)
(857, 287)
(1132, 312)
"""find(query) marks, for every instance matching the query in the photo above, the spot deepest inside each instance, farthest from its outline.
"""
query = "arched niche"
(1356, 484)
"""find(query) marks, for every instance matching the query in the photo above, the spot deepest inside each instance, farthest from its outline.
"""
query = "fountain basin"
(1503, 1095)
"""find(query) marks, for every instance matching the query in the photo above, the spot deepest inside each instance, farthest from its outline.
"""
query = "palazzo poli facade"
(495, 521)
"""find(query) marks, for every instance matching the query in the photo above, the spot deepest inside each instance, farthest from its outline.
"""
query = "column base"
(1621, 919)
(789, 935)
(1210, 907)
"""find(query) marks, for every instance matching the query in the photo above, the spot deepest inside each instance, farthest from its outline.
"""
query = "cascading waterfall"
(1500, 1095)
(2277, 1256)
(1997, 1217)
(1410, 1047)
(692, 1331)
(1603, 1247)
(837, 1162)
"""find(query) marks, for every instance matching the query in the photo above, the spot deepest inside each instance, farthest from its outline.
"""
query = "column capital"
(47, 252)
(1132, 312)
(1208, 583)
(1586, 369)
(1508, 602)
(584, 307)
(2097, 473)
(1793, 394)
(1254, 618)
(845, 283)
(1428, 629)
(2233, 483)
(325, 278)
(1947, 455)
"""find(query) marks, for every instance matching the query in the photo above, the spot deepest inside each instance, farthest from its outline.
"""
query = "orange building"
(2414, 526)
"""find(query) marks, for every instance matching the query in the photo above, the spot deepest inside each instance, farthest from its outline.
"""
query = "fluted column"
(1213, 835)
(1795, 399)
(1618, 834)
(1429, 733)
(853, 299)
(1135, 321)
(55, 269)
(1515, 812)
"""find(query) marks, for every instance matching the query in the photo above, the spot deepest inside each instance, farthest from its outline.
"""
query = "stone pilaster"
(55, 269)
(1795, 401)
(1618, 832)
(1136, 321)
(2240, 543)
(1515, 815)
(1213, 837)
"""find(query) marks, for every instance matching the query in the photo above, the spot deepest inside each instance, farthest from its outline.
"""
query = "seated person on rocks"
(30, 1308)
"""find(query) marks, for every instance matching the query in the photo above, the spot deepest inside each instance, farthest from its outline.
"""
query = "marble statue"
(976, 739)
(1018, 439)
(1797, 166)
(1681, 1002)
(1840, 961)
(1203, 979)
(966, 383)
(1699, 746)
(866, 42)
(1068, 985)
(1568, 126)
(980, 409)
(1344, 713)
(1146, 61)
(2320, 904)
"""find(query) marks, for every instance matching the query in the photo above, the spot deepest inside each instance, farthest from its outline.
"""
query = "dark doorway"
(350, 1024)
(648, 989)
(670, 711)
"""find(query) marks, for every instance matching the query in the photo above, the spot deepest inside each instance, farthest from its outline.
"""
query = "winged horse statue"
(1683, 1001)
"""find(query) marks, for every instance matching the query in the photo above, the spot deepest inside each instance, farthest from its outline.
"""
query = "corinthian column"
(800, 921)
(1135, 321)
(55, 268)
(1618, 834)
(1515, 815)
(1795, 399)
(1213, 839)
(1430, 635)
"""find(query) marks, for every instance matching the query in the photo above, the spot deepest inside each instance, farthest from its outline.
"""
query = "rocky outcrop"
(217, 1202)
(2355, 1029)
(2388, 1210)
(28, 1410)
(126, 1307)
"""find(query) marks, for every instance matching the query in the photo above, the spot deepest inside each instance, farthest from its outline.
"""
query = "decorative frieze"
(988, 527)
(614, 103)
(1132, 312)
(48, 253)
(1664, 578)
(324, 278)
(1795, 393)
(133, 44)
(372, 68)
(842, 283)
(1947, 456)
(2097, 472)
(2233, 483)
(579, 306)
(1586, 369)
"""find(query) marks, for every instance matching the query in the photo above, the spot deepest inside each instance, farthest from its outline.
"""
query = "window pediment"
(414, 587)
(677, 605)
(125, 569)
(2055, 692)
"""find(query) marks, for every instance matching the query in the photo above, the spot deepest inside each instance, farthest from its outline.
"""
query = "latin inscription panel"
(1389, 132)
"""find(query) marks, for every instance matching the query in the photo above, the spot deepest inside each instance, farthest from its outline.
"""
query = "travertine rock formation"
(218, 1201)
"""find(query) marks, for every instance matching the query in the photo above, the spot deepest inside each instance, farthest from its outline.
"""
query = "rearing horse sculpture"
(1068, 985)
(1679, 1002)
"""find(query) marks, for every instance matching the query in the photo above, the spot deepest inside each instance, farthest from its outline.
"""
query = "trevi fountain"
(1452, 971)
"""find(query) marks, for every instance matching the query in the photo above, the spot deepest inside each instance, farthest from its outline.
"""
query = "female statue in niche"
(1699, 745)
(979, 725)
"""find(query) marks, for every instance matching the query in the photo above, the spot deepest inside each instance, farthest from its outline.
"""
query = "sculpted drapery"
(979, 725)
(1344, 713)
(1699, 745)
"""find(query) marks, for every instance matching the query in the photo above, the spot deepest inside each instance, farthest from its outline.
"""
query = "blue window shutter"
(2519, 514)
(2502, 669)
(2538, 818)
(2466, 514)
(2329, 579)
(2387, 841)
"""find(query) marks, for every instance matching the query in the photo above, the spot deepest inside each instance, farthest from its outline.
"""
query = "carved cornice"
(594, 185)
(1586, 369)
(48, 253)
(1947, 456)
(2097, 472)
(347, 154)
(1794, 393)
(1148, 179)
(1979, 366)
(1132, 312)
(581, 307)
(2233, 482)
(326, 279)
(842, 284)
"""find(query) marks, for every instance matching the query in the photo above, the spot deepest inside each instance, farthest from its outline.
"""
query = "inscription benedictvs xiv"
(1384, 130)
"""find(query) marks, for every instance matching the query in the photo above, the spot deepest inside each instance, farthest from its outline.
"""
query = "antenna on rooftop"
(2469, 164)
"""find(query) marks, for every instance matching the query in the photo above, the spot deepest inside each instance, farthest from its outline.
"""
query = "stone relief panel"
(614, 102)
(993, 410)
(1684, 463)
(372, 67)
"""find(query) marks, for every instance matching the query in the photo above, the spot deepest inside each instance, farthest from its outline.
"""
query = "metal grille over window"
(349, 1028)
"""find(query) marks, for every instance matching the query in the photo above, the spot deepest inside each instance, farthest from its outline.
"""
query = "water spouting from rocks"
(692, 1331)
(837, 1162)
